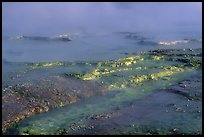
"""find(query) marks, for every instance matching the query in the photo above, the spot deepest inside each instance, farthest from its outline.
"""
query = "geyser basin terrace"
(102, 68)
(160, 89)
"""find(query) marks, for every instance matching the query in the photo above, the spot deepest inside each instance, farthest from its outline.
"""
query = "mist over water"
(53, 18)
(96, 23)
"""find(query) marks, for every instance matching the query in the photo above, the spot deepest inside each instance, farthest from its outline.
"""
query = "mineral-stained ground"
(153, 92)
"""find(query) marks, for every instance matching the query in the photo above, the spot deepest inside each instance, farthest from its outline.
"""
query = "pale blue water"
(101, 46)
(87, 46)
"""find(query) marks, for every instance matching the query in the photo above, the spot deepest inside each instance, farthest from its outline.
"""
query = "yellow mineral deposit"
(47, 65)
(140, 79)
(157, 57)
(61, 104)
(113, 66)
(169, 70)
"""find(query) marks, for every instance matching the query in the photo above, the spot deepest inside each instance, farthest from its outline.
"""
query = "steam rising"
(56, 18)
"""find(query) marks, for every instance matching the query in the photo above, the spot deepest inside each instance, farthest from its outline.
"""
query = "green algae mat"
(142, 93)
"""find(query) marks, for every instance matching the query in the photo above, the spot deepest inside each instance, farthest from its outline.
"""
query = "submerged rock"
(160, 113)
(24, 100)
(64, 37)
(131, 65)
(189, 88)
(138, 73)
(144, 42)
(132, 35)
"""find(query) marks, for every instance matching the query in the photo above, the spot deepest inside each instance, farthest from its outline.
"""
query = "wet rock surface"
(173, 109)
(190, 88)
(23, 100)
(161, 113)
(63, 37)
(131, 71)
